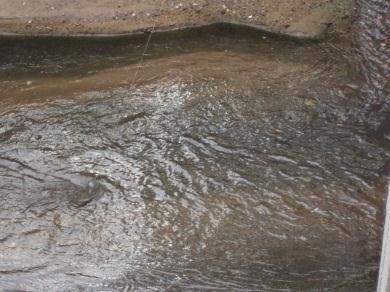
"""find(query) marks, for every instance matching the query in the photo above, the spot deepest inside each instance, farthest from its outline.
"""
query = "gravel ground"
(302, 18)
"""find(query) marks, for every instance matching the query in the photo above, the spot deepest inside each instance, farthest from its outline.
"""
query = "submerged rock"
(86, 194)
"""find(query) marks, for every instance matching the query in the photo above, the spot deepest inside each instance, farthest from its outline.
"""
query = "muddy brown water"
(228, 161)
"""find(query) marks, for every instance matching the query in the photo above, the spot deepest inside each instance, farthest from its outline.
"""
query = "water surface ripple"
(217, 169)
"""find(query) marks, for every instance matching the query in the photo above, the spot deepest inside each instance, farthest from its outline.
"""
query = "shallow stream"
(228, 160)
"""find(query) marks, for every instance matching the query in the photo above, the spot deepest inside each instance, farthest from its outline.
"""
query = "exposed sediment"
(301, 18)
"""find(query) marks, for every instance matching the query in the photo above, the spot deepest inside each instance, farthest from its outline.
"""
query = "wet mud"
(301, 18)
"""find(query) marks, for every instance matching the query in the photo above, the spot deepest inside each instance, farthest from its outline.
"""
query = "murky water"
(374, 47)
(220, 164)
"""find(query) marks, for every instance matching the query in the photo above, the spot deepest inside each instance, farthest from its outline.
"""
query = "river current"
(228, 160)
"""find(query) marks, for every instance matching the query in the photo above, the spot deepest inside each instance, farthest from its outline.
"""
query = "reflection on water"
(218, 168)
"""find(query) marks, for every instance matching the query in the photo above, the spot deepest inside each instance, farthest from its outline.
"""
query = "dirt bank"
(303, 18)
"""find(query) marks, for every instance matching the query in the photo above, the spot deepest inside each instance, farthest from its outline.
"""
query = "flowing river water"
(230, 160)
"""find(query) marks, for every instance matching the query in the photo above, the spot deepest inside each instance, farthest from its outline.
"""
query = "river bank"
(299, 18)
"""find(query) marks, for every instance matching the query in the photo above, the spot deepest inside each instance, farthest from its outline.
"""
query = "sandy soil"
(303, 18)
